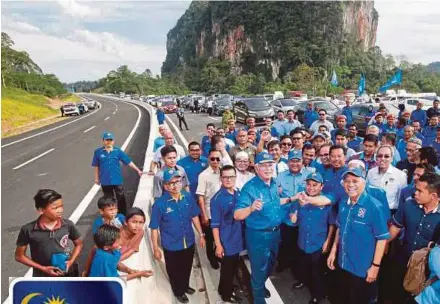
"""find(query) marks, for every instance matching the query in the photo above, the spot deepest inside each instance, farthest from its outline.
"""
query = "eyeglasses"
(229, 177)
(383, 156)
(321, 114)
(242, 161)
(296, 138)
(215, 159)
(174, 184)
(324, 155)
(410, 150)
(286, 144)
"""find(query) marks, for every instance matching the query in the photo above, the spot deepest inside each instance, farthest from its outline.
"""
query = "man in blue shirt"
(354, 141)
(160, 114)
(206, 139)
(341, 122)
(278, 124)
(390, 125)
(419, 114)
(408, 192)
(360, 240)
(332, 177)
(108, 173)
(231, 131)
(430, 131)
(316, 229)
(260, 205)
(420, 217)
(347, 112)
(289, 183)
(193, 164)
(291, 123)
(310, 115)
(227, 232)
(160, 140)
(173, 214)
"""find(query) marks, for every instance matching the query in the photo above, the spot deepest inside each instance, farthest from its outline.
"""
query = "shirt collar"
(169, 198)
(360, 200)
(262, 182)
(40, 226)
(435, 210)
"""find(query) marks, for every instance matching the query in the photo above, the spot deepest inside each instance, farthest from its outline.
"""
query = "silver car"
(284, 104)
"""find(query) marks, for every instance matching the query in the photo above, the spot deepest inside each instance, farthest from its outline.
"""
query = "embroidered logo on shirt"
(203, 165)
(63, 241)
(102, 156)
(362, 212)
(169, 210)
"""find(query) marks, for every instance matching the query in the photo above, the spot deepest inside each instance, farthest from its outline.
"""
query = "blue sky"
(84, 40)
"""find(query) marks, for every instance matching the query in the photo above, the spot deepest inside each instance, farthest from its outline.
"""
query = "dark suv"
(257, 108)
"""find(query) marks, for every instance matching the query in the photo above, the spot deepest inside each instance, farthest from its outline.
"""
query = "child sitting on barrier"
(108, 210)
(132, 232)
(105, 262)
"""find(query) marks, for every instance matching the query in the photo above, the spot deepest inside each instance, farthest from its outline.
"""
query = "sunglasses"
(215, 159)
(321, 114)
(383, 156)
(286, 144)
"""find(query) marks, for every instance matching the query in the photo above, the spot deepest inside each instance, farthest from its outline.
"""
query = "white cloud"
(18, 26)
(410, 28)
(79, 10)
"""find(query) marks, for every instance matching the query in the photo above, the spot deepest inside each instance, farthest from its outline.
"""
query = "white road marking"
(213, 118)
(91, 128)
(32, 159)
(114, 112)
(42, 174)
(85, 202)
(44, 132)
(107, 118)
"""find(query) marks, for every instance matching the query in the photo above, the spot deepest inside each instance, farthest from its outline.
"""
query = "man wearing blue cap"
(289, 183)
(360, 240)
(316, 230)
(108, 173)
(173, 214)
(260, 205)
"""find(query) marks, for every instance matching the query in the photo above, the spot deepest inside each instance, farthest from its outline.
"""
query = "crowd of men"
(343, 213)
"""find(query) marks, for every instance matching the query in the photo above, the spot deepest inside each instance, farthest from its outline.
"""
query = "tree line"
(19, 71)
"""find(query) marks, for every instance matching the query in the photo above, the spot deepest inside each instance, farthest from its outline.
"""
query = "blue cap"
(356, 171)
(107, 135)
(315, 177)
(263, 157)
(295, 154)
(169, 174)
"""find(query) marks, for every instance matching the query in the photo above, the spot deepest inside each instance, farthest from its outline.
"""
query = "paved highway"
(283, 281)
(59, 157)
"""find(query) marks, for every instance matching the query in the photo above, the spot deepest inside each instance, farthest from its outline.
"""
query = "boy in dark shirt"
(47, 237)
(106, 260)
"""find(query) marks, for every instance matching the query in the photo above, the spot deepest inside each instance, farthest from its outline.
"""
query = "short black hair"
(402, 121)
(322, 110)
(426, 167)
(105, 201)
(434, 114)
(341, 133)
(430, 154)
(352, 125)
(227, 168)
(323, 126)
(290, 111)
(273, 143)
(371, 138)
(45, 197)
(433, 181)
(134, 211)
(284, 137)
(166, 150)
(336, 147)
(391, 137)
(193, 143)
(308, 147)
(280, 111)
(106, 235)
(297, 130)
(210, 125)
(213, 150)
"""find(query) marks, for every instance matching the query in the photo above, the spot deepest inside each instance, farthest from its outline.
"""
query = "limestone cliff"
(269, 37)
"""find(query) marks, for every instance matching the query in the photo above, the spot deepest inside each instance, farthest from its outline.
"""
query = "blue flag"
(395, 79)
(361, 87)
(334, 80)
(67, 290)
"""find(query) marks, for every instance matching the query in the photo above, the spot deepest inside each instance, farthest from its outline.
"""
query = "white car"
(411, 103)
(70, 109)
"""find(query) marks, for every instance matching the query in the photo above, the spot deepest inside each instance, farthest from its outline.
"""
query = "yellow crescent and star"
(52, 300)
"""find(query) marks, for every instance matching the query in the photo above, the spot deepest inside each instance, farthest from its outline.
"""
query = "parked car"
(169, 106)
(411, 103)
(257, 108)
(327, 105)
(91, 104)
(82, 108)
(70, 109)
(220, 106)
(284, 104)
(360, 111)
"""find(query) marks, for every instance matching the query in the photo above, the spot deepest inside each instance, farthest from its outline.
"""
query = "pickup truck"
(69, 109)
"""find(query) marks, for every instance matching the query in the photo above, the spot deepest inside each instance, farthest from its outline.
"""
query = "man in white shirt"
(209, 104)
(387, 177)
(157, 159)
(209, 184)
(242, 165)
(278, 124)
(322, 121)
(291, 123)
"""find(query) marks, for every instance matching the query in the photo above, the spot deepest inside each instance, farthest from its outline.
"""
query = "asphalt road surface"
(282, 281)
(59, 157)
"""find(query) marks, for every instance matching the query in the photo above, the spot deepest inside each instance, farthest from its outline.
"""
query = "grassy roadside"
(22, 111)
